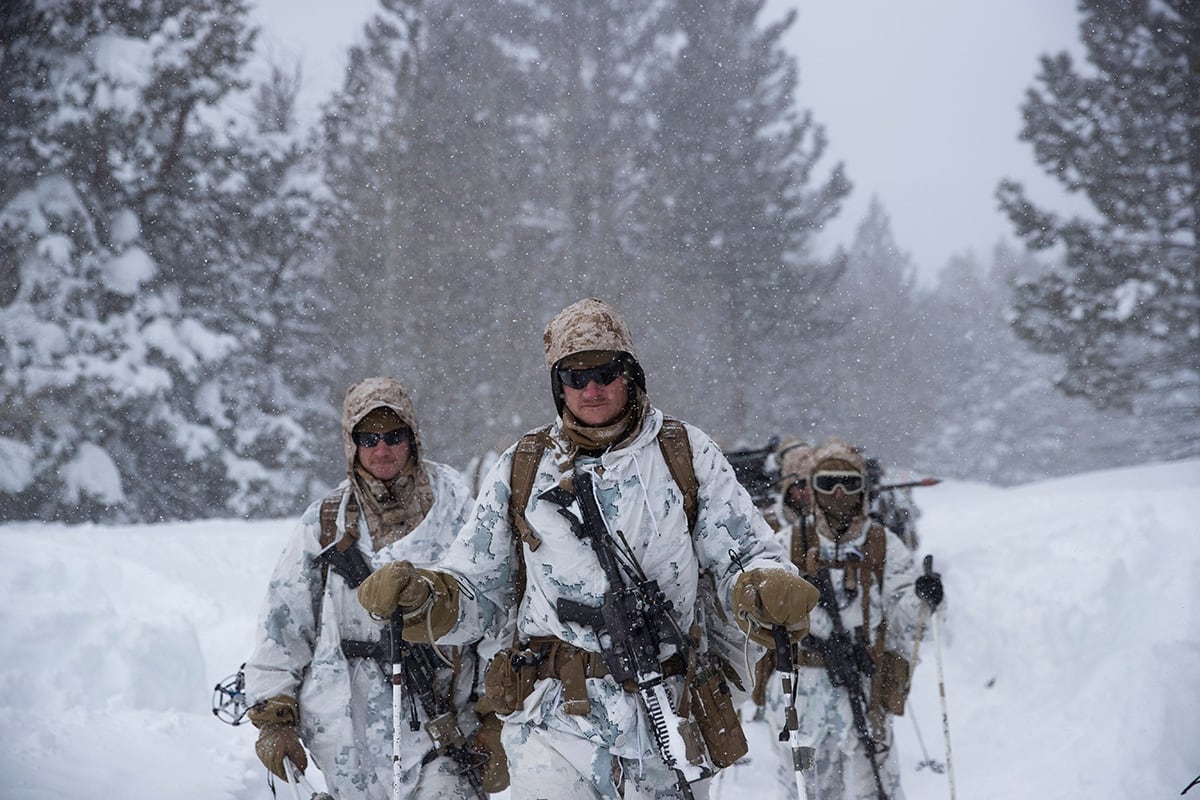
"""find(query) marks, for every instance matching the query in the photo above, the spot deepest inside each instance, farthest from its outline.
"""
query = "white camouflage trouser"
(843, 775)
(549, 765)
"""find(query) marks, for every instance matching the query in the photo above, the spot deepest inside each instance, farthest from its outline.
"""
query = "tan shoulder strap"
(875, 553)
(329, 531)
(677, 450)
(873, 565)
(526, 458)
(329, 515)
(329, 512)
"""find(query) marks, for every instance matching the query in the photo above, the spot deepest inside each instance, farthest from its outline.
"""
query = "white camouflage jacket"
(824, 710)
(637, 497)
(346, 705)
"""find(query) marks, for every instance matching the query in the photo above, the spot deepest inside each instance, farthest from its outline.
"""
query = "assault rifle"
(631, 624)
(417, 670)
(413, 669)
(847, 661)
(750, 468)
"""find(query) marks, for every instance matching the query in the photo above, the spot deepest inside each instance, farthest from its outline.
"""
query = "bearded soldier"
(321, 671)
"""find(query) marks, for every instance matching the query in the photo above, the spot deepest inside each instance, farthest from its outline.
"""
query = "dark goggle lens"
(391, 438)
(603, 375)
(826, 482)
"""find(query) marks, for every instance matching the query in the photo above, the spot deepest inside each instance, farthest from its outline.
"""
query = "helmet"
(588, 325)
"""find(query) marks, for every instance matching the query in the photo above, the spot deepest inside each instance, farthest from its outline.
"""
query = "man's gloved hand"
(428, 599)
(394, 585)
(277, 720)
(929, 588)
(764, 598)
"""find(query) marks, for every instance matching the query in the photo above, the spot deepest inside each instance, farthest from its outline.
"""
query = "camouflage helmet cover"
(792, 456)
(835, 449)
(589, 325)
(586, 325)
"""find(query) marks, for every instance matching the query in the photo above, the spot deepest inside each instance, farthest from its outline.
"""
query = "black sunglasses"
(392, 438)
(603, 375)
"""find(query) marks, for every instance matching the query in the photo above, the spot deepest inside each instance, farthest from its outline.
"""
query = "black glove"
(929, 588)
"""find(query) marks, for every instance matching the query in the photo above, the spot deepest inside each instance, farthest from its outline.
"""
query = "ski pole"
(922, 620)
(293, 777)
(802, 757)
(397, 631)
(936, 766)
(937, 648)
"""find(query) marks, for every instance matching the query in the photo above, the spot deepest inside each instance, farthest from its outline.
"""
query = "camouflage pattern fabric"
(639, 498)
(346, 705)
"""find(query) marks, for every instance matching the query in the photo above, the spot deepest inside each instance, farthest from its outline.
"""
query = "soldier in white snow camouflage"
(319, 674)
(876, 587)
(570, 730)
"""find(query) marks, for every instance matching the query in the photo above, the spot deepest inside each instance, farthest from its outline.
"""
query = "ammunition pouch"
(510, 678)
(716, 716)
(891, 682)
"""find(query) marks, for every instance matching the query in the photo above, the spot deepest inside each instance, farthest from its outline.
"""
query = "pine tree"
(995, 413)
(129, 201)
(737, 203)
(864, 381)
(1123, 309)
(426, 153)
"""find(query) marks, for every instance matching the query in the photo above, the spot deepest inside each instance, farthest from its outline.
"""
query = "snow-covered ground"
(1070, 642)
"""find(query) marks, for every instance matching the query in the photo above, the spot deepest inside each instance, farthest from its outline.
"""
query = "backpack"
(723, 638)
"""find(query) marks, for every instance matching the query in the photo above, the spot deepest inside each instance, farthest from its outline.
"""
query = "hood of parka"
(792, 457)
(836, 454)
(368, 395)
(584, 326)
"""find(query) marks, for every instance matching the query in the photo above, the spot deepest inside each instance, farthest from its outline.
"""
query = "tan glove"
(428, 599)
(277, 720)
(764, 598)
(487, 742)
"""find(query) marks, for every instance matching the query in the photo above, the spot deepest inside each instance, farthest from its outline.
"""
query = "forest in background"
(189, 280)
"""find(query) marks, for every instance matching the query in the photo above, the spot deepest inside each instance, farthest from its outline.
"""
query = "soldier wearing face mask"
(874, 588)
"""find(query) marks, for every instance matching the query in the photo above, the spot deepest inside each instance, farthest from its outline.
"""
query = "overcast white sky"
(921, 100)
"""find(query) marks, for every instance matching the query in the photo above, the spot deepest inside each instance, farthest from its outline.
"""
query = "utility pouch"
(444, 731)
(715, 715)
(890, 683)
(510, 679)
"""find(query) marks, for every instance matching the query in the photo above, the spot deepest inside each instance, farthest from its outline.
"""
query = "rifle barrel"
(908, 484)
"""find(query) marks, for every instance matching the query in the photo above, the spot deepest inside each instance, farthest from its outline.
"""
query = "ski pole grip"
(929, 565)
(783, 649)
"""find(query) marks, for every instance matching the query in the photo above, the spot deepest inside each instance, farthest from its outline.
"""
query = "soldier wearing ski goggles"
(853, 670)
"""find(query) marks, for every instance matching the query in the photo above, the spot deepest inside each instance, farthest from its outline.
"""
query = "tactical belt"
(571, 665)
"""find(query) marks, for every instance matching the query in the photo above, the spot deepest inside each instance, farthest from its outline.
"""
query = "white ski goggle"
(827, 481)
